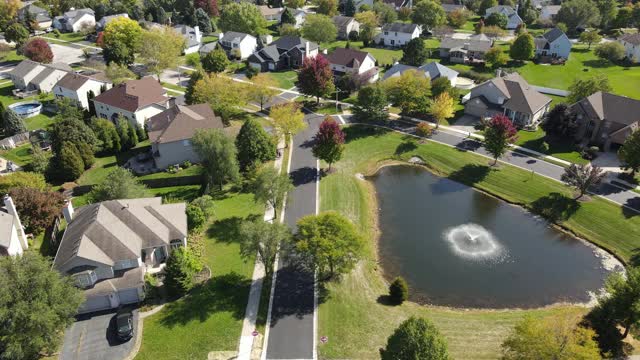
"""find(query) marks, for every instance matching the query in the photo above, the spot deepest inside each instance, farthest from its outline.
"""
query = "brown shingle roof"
(181, 122)
(134, 94)
(611, 107)
(347, 57)
(73, 81)
(631, 38)
(523, 97)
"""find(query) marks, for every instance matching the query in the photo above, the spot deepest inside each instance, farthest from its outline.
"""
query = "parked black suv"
(124, 324)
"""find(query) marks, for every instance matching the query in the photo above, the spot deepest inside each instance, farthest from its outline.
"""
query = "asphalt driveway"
(91, 337)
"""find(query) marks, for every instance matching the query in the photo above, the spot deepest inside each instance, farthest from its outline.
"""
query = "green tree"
(581, 88)
(242, 17)
(575, 13)
(118, 73)
(496, 19)
(429, 14)
(288, 120)
(188, 94)
(196, 217)
(415, 338)
(327, 7)
(442, 85)
(254, 145)
(624, 18)
(398, 290)
(368, 26)
(107, 135)
(294, 4)
(415, 53)
(218, 155)
(629, 153)
(182, 266)
(86, 153)
(560, 121)
(328, 243)
(498, 135)
(386, 12)
(203, 21)
(319, 28)
(215, 61)
(590, 37)
(39, 304)
(553, 337)
(328, 143)
(122, 38)
(442, 108)
(287, 17)
(224, 95)
(271, 187)
(350, 8)
(457, 18)
(316, 78)
(608, 10)
(68, 162)
(13, 124)
(485, 4)
(127, 133)
(16, 33)
(262, 89)
(410, 91)
(20, 179)
(263, 238)
(120, 183)
(288, 30)
(37, 208)
(523, 47)
(623, 298)
(371, 105)
(71, 130)
(612, 51)
(161, 49)
(39, 161)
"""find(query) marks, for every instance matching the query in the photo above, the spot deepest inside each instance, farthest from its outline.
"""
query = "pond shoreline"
(608, 260)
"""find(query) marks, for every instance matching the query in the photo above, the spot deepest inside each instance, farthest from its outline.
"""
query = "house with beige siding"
(77, 88)
(34, 76)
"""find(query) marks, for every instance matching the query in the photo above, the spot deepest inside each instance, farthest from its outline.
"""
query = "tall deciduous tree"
(218, 155)
(623, 298)
(118, 184)
(590, 37)
(410, 91)
(415, 53)
(8, 12)
(122, 38)
(242, 17)
(442, 108)
(262, 89)
(386, 12)
(224, 95)
(553, 337)
(316, 78)
(371, 105)
(118, 73)
(254, 145)
(429, 14)
(612, 51)
(161, 49)
(287, 17)
(328, 143)
(495, 57)
(294, 4)
(271, 188)
(16, 33)
(630, 153)
(319, 28)
(582, 177)
(263, 238)
(287, 119)
(523, 47)
(368, 26)
(485, 4)
(39, 304)
(575, 13)
(328, 243)
(215, 61)
(37, 208)
(498, 135)
(415, 338)
(71, 130)
(37, 49)
(327, 7)
(107, 135)
(560, 121)
(21, 179)
(581, 88)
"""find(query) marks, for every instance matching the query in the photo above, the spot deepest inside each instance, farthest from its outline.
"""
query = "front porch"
(519, 119)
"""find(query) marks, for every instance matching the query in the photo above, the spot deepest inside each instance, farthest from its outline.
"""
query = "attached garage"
(476, 107)
(95, 303)
(129, 296)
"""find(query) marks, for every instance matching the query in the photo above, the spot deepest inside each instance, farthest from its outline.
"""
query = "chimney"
(498, 72)
(67, 211)
(306, 48)
(220, 35)
(198, 35)
(325, 51)
(11, 209)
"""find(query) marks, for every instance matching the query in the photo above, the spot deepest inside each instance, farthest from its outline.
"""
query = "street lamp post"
(338, 90)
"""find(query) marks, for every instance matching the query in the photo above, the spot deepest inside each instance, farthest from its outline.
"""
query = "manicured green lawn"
(357, 325)
(209, 38)
(11, 56)
(103, 165)
(210, 318)
(72, 37)
(284, 79)
(173, 87)
(561, 148)
(20, 155)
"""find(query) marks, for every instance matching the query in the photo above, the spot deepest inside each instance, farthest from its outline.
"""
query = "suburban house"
(13, 240)
(548, 12)
(108, 247)
(170, 133)
(136, 100)
(465, 50)
(432, 70)
(345, 25)
(100, 25)
(554, 43)
(513, 19)
(75, 20)
(192, 37)
(286, 52)
(510, 95)
(398, 34)
(37, 14)
(606, 119)
(350, 61)
(77, 87)
(237, 45)
(631, 43)
(207, 48)
(34, 76)
(271, 14)
(449, 8)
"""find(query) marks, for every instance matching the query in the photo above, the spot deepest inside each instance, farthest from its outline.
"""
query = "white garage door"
(128, 296)
(95, 303)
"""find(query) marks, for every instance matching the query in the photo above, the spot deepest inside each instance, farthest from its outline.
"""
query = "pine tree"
(13, 123)
(349, 8)
(287, 17)
(254, 145)
(69, 164)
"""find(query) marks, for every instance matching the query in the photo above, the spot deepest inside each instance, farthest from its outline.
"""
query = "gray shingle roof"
(553, 34)
(341, 22)
(233, 36)
(522, 97)
(473, 44)
(611, 107)
(400, 27)
(288, 42)
(631, 38)
(436, 70)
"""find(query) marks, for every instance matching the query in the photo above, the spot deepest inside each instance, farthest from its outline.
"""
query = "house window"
(386, 33)
(176, 243)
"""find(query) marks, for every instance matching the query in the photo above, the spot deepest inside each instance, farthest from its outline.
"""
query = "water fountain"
(474, 242)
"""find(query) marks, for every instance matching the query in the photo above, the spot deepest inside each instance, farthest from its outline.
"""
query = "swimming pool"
(27, 109)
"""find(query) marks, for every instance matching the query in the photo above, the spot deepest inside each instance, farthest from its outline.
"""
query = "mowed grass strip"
(357, 325)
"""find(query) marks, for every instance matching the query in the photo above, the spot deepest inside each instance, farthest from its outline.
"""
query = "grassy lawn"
(357, 325)
(20, 155)
(11, 56)
(210, 318)
(105, 164)
(560, 148)
(209, 38)
(72, 37)
(284, 79)
(173, 87)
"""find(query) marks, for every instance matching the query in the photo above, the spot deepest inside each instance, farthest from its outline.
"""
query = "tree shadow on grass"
(224, 293)
(470, 174)
(634, 260)
(598, 64)
(228, 230)
(356, 132)
(608, 335)
(555, 207)
(631, 208)
(406, 146)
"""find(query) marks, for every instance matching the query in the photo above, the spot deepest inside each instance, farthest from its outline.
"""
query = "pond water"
(459, 247)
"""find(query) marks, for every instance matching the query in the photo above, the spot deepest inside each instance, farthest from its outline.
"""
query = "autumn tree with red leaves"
(498, 135)
(37, 208)
(316, 78)
(210, 6)
(38, 49)
(328, 143)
